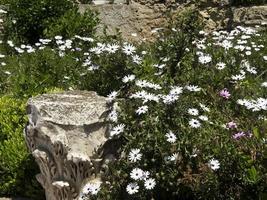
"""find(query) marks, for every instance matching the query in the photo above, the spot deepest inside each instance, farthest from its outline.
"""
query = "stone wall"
(137, 19)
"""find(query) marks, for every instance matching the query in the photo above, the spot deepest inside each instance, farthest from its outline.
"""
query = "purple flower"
(239, 135)
(231, 125)
(225, 93)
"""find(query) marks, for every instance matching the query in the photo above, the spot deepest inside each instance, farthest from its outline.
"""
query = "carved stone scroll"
(67, 134)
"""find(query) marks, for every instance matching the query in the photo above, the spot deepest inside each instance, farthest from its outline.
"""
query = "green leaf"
(253, 175)
(256, 132)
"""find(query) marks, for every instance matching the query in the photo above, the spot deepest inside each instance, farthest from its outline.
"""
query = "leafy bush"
(36, 73)
(64, 64)
(73, 23)
(17, 169)
(198, 133)
(27, 19)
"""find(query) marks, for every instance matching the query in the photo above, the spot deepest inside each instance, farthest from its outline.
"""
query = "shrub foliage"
(17, 166)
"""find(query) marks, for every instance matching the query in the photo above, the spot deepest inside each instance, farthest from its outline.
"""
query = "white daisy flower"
(91, 188)
(128, 78)
(113, 116)
(145, 83)
(194, 123)
(128, 49)
(226, 44)
(193, 111)
(117, 130)
(137, 59)
(204, 59)
(112, 96)
(58, 37)
(136, 174)
(173, 157)
(135, 155)
(132, 188)
(238, 77)
(264, 84)
(193, 88)
(168, 99)
(214, 164)
(142, 110)
(171, 137)
(139, 95)
(176, 90)
(150, 97)
(252, 70)
(220, 65)
(112, 48)
(203, 118)
(150, 183)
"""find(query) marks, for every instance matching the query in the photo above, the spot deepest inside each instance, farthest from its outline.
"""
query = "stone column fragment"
(67, 134)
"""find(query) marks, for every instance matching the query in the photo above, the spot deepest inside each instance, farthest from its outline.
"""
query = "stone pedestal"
(68, 136)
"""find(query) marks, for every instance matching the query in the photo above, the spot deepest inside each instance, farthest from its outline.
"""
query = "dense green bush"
(36, 73)
(73, 23)
(17, 169)
(27, 19)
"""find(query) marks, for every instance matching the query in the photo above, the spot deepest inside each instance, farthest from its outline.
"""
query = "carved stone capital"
(68, 136)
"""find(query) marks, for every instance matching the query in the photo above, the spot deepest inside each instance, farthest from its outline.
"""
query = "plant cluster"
(198, 132)
(29, 20)
(17, 167)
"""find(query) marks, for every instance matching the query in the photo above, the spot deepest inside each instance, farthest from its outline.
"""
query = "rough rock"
(136, 20)
(250, 15)
(68, 136)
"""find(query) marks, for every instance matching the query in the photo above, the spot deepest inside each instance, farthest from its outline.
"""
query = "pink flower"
(239, 135)
(231, 125)
(225, 93)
